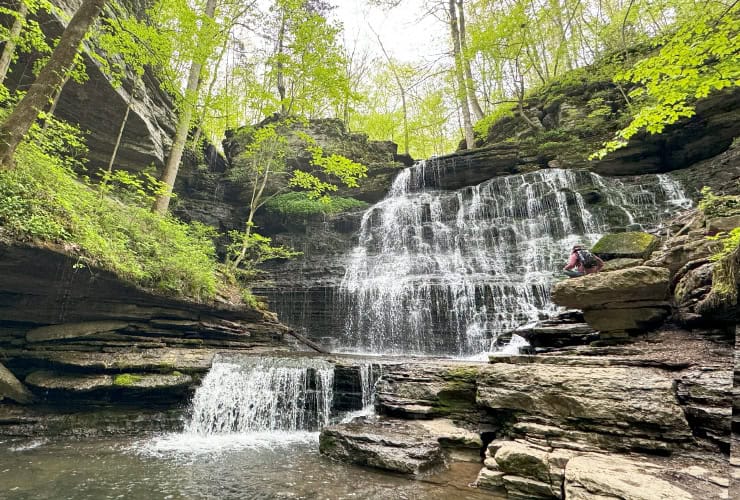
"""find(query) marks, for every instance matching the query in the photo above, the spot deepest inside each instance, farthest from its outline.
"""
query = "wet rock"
(625, 285)
(553, 333)
(629, 245)
(426, 391)
(602, 476)
(73, 330)
(12, 388)
(393, 445)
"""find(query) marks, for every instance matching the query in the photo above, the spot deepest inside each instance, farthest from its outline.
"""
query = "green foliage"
(699, 58)
(718, 205)
(501, 111)
(41, 199)
(300, 205)
(254, 249)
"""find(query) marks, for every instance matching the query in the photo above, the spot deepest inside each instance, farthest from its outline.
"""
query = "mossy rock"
(629, 245)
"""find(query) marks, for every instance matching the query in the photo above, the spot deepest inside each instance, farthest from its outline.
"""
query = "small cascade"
(441, 272)
(674, 192)
(249, 394)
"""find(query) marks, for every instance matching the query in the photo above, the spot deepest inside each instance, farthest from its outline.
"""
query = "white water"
(444, 272)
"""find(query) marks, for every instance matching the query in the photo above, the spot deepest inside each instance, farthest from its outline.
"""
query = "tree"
(17, 125)
(263, 162)
(462, 94)
(9, 50)
(169, 174)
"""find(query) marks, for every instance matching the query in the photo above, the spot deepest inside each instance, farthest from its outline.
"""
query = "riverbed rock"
(393, 445)
(12, 388)
(629, 245)
(620, 263)
(426, 391)
(625, 285)
(600, 476)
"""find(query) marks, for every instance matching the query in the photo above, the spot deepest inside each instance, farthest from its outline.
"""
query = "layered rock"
(618, 302)
(87, 336)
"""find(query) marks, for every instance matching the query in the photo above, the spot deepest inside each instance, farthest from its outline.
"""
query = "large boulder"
(629, 245)
(626, 319)
(641, 283)
(394, 445)
(601, 476)
(613, 407)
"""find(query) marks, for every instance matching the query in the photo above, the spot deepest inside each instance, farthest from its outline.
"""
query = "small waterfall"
(249, 394)
(674, 192)
(444, 272)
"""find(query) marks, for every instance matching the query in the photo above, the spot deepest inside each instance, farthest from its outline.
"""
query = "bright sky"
(407, 34)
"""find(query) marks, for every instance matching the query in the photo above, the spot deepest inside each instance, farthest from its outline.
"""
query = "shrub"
(298, 204)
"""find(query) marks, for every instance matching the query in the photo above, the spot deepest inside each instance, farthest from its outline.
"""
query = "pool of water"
(181, 466)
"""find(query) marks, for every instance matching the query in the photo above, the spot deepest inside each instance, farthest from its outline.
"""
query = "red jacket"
(574, 262)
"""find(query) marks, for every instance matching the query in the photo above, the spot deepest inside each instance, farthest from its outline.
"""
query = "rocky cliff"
(74, 339)
(98, 107)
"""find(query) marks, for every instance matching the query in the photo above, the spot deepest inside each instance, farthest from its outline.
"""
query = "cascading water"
(242, 395)
(444, 272)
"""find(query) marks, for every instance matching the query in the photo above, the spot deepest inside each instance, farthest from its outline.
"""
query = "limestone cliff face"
(78, 334)
(98, 107)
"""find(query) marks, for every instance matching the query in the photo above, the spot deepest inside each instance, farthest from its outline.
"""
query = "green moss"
(127, 379)
(633, 243)
(466, 374)
(298, 204)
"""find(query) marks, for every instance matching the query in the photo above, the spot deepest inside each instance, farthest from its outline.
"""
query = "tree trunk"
(461, 87)
(279, 66)
(52, 75)
(162, 202)
(120, 135)
(402, 90)
(54, 103)
(470, 83)
(7, 56)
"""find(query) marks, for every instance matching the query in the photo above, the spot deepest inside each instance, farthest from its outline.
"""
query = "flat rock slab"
(625, 319)
(617, 403)
(625, 285)
(171, 359)
(47, 380)
(73, 330)
(600, 476)
(394, 445)
(586, 361)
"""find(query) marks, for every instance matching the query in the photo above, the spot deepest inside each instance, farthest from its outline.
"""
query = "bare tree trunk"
(279, 65)
(461, 86)
(7, 56)
(162, 202)
(120, 135)
(469, 82)
(402, 90)
(52, 75)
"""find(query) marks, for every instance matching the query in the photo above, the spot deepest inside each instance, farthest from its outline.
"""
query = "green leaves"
(698, 58)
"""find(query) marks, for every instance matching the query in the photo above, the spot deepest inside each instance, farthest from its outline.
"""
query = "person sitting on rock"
(583, 261)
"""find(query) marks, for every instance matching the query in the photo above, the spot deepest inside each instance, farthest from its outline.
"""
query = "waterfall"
(250, 394)
(444, 272)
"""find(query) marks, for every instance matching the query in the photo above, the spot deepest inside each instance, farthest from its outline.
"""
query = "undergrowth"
(42, 199)
(298, 204)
